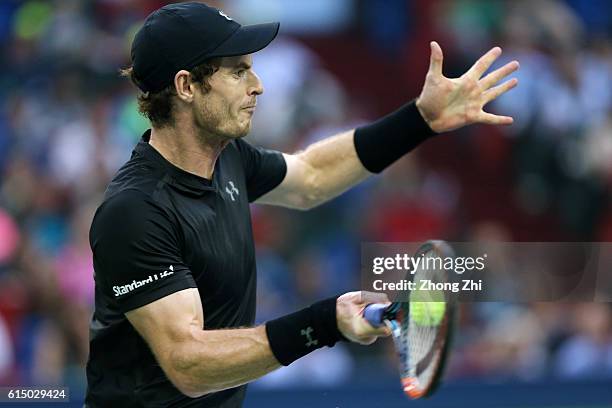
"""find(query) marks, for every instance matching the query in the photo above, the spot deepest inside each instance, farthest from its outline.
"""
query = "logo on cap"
(225, 15)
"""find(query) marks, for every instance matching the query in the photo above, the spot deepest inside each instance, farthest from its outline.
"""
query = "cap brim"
(247, 40)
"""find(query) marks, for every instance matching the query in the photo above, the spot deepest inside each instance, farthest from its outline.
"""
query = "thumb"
(436, 59)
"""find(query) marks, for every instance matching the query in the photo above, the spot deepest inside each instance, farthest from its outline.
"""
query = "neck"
(188, 149)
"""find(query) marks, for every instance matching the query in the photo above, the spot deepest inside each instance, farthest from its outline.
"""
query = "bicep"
(168, 323)
(291, 191)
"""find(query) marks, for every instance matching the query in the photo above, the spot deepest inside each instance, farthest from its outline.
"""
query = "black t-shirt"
(160, 230)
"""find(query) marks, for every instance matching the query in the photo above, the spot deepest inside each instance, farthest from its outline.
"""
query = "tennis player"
(172, 241)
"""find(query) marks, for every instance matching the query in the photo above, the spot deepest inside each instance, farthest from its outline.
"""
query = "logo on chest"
(231, 190)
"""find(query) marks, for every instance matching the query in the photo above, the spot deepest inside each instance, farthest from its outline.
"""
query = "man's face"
(227, 108)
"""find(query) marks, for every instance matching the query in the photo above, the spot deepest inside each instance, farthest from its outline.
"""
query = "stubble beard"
(221, 124)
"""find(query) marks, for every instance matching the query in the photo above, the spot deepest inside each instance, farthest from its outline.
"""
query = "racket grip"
(373, 313)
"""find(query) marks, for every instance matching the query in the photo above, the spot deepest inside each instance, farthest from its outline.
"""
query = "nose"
(256, 87)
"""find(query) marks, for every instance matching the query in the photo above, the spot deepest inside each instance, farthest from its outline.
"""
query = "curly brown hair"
(158, 106)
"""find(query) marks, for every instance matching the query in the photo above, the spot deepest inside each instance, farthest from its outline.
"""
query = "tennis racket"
(422, 336)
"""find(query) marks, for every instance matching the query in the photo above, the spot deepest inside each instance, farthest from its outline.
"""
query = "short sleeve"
(136, 251)
(265, 169)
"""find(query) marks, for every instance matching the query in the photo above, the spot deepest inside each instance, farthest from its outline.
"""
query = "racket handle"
(373, 313)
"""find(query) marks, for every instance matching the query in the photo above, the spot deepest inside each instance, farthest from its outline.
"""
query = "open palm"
(450, 103)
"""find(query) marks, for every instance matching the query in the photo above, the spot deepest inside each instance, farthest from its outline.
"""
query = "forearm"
(332, 167)
(337, 163)
(214, 360)
(329, 167)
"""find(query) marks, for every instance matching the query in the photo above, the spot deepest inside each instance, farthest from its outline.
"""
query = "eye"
(240, 73)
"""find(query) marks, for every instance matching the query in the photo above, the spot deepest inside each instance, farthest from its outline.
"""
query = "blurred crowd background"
(68, 121)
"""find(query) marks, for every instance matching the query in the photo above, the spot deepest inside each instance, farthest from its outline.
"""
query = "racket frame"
(393, 315)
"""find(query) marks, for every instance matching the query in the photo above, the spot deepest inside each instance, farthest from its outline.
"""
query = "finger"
(381, 332)
(497, 75)
(491, 119)
(365, 330)
(495, 92)
(374, 297)
(436, 58)
(484, 62)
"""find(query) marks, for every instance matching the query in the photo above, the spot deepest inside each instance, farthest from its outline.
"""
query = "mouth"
(249, 109)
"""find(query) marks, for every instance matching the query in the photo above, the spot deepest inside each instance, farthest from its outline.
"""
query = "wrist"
(326, 314)
(297, 334)
(381, 143)
(430, 119)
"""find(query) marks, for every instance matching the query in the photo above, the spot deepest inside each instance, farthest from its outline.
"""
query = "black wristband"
(297, 334)
(381, 143)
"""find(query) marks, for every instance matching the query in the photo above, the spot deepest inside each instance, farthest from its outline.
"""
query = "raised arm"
(201, 361)
(331, 166)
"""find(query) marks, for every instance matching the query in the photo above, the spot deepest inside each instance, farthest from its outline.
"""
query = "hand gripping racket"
(421, 322)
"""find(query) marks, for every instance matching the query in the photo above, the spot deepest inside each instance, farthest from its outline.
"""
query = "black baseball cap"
(184, 35)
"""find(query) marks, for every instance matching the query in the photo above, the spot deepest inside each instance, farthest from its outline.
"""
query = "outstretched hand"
(451, 103)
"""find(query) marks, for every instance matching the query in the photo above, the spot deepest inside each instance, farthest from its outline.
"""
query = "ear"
(184, 86)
